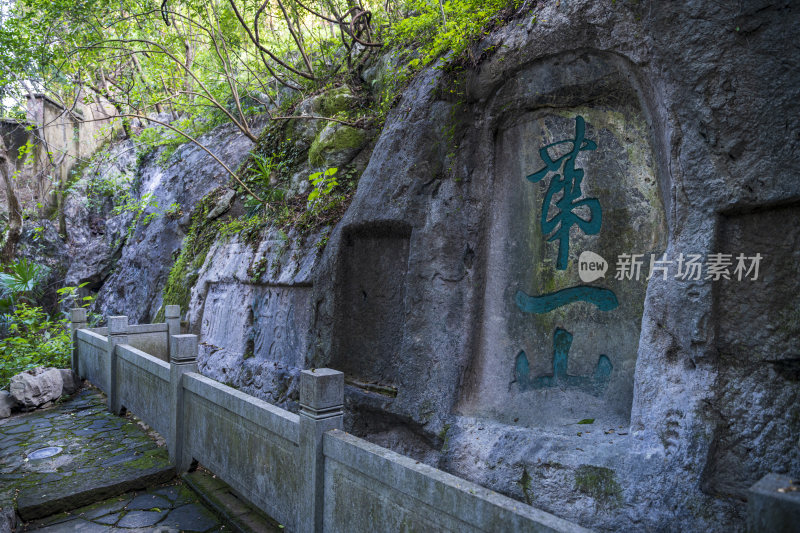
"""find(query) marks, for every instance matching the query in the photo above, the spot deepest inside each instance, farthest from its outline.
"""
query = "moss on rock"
(196, 245)
(334, 101)
(599, 483)
(332, 139)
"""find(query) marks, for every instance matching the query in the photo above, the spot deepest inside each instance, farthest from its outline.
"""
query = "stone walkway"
(77, 453)
(167, 508)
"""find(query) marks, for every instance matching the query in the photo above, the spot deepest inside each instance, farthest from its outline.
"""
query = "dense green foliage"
(204, 62)
(450, 28)
(172, 70)
(20, 283)
(33, 338)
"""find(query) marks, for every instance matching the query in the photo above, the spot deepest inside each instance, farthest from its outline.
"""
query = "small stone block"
(773, 504)
(77, 314)
(322, 388)
(183, 347)
(117, 325)
(172, 311)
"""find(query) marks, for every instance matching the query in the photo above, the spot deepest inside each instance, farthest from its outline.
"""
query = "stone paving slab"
(100, 455)
(169, 508)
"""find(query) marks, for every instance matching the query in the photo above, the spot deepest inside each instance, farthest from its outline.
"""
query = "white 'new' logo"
(591, 267)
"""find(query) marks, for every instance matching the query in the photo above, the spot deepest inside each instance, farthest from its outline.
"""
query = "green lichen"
(150, 459)
(335, 101)
(268, 171)
(443, 435)
(185, 271)
(599, 483)
(525, 483)
(342, 138)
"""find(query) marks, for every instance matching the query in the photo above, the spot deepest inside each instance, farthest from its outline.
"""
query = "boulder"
(71, 381)
(379, 76)
(222, 204)
(304, 131)
(335, 101)
(326, 104)
(191, 175)
(336, 145)
(36, 387)
(7, 403)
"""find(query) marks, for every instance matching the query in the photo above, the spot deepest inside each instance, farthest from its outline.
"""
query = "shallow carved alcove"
(756, 405)
(370, 312)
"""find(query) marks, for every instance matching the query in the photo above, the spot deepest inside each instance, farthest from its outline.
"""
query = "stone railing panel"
(143, 387)
(248, 443)
(366, 484)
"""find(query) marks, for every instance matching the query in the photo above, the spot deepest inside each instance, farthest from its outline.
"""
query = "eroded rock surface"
(36, 387)
(7, 404)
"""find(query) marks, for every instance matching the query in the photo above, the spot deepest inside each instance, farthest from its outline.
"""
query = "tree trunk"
(14, 232)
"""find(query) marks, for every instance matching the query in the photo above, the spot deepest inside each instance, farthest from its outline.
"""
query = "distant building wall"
(63, 138)
(60, 140)
(16, 134)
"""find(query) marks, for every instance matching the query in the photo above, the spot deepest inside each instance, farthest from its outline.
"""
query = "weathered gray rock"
(71, 381)
(336, 145)
(95, 237)
(335, 101)
(222, 204)
(36, 387)
(8, 518)
(149, 254)
(7, 404)
(303, 131)
(326, 104)
(416, 288)
(378, 75)
(261, 350)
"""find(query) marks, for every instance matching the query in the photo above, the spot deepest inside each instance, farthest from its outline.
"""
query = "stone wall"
(300, 470)
(63, 139)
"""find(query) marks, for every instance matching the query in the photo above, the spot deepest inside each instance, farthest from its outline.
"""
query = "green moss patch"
(196, 245)
(599, 483)
(334, 139)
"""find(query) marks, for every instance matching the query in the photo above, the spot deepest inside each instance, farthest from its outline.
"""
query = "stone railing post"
(773, 504)
(117, 334)
(172, 316)
(183, 359)
(77, 318)
(321, 402)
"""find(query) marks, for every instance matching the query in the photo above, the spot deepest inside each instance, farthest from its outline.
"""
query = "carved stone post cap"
(183, 348)
(321, 390)
(172, 311)
(117, 325)
(77, 314)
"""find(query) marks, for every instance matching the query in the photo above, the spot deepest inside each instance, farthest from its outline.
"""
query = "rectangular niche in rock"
(758, 389)
(370, 294)
(573, 187)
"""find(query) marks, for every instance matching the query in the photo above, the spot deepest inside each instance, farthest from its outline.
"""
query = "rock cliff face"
(683, 119)
(134, 284)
